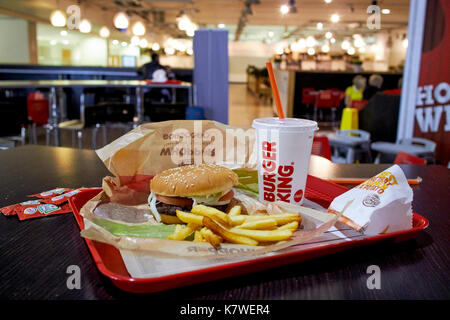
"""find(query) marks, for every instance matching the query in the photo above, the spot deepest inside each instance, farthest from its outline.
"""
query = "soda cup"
(284, 150)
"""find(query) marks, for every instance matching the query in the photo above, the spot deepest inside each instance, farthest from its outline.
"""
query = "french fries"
(227, 235)
(208, 224)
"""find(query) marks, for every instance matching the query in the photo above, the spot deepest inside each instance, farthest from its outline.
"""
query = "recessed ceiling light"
(328, 35)
(221, 25)
(328, 1)
(63, 33)
(335, 18)
(284, 9)
(385, 11)
(320, 25)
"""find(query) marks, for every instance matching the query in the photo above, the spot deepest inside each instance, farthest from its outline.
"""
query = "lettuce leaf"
(248, 180)
(160, 231)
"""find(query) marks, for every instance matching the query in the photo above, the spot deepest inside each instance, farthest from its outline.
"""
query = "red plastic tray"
(110, 263)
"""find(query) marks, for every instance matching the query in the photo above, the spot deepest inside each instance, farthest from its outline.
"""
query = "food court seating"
(325, 100)
(38, 113)
(406, 158)
(309, 96)
(13, 119)
(350, 145)
(321, 147)
(92, 117)
(418, 147)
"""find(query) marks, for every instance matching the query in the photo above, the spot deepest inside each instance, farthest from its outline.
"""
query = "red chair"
(38, 113)
(321, 147)
(338, 95)
(308, 96)
(393, 91)
(325, 100)
(406, 158)
(359, 104)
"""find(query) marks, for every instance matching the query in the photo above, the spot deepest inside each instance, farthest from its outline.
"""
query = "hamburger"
(183, 187)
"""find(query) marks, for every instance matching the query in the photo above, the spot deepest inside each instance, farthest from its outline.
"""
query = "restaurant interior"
(83, 79)
(330, 64)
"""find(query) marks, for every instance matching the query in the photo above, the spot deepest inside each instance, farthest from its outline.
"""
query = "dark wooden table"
(35, 253)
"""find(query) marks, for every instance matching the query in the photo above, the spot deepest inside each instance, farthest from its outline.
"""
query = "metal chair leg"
(80, 139)
(104, 135)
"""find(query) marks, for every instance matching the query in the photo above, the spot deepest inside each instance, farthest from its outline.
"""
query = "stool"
(349, 119)
(90, 117)
(353, 142)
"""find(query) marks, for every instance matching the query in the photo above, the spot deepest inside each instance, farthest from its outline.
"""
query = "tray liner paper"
(140, 154)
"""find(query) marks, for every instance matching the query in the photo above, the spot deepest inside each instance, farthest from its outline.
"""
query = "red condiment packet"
(50, 193)
(41, 210)
(62, 198)
(11, 210)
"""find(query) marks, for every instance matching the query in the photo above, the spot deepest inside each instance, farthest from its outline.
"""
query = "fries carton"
(136, 157)
(381, 204)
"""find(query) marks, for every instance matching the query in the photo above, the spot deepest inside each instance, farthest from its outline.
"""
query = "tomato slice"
(176, 201)
(227, 196)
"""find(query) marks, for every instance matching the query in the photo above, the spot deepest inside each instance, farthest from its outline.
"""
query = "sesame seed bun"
(193, 180)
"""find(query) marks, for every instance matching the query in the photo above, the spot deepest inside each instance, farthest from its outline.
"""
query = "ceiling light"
(311, 51)
(143, 43)
(385, 11)
(335, 18)
(345, 45)
(325, 48)
(319, 25)
(359, 42)
(332, 40)
(310, 41)
(58, 18)
(328, 1)
(138, 29)
(115, 42)
(169, 50)
(189, 51)
(279, 50)
(284, 9)
(63, 33)
(123, 44)
(270, 34)
(221, 25)
(135, 41)
(328, 35)
(104, 32)
(351, 51)
(183, 22)
(85, 26)
(155, 46)
(302, 44)
(405, 43)
(121, 20)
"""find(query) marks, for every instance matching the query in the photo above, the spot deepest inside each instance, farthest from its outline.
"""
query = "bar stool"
(93, 117)
(353, 143)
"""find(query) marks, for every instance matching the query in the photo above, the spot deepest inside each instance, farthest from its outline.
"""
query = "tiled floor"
(245, 106)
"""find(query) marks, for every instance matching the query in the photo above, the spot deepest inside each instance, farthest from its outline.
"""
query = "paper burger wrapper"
(381, 204)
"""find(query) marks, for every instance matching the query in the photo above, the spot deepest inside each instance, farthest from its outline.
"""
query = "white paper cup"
(284, 150)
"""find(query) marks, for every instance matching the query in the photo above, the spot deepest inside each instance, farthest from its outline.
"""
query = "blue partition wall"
(211, 73)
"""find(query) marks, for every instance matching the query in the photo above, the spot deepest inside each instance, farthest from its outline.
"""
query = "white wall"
(243, 54)
(13, 40)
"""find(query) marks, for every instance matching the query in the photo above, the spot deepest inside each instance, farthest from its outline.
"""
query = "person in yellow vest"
(355, 92)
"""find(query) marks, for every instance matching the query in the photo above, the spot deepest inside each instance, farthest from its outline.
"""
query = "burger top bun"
(193, 180)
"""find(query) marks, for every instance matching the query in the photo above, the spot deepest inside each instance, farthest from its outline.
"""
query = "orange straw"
(276, 95)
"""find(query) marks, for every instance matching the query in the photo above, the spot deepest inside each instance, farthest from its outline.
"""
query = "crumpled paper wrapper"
(140, 154)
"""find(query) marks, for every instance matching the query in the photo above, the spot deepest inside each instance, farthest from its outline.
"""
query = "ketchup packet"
(62, 198)
(40, 210)
(11, 210)
(380, 204)
(50, 193)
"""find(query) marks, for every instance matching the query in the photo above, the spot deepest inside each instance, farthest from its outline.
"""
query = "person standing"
(355, 92)
(375, 84)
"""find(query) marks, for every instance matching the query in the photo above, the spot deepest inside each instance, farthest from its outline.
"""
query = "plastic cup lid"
(287, 124)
